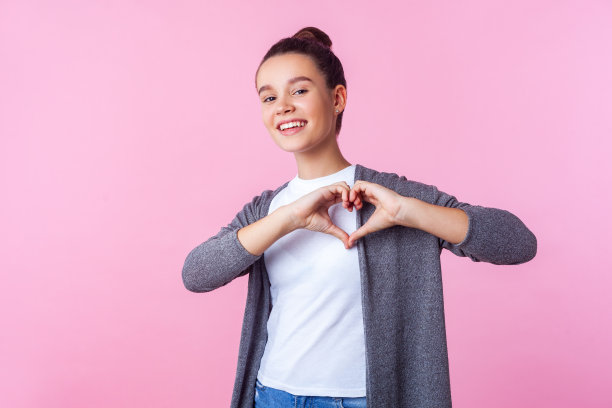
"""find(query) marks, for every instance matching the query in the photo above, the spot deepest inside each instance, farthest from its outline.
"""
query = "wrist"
(408, 215)
(287, 218)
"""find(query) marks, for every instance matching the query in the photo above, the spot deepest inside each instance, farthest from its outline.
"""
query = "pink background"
(131, 132)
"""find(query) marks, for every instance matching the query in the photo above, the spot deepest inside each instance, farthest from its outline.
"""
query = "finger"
(357, 202)
(342, 184)
(342, 187)
(341, 190)
(345, 195)
(364, 230)
(361, 183)
(338, 233)
(334, 193)
(355, 199)
(353, 194)
(361, 186)
(364, 190)
(348, 203)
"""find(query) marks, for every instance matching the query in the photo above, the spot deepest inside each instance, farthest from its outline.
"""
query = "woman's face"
(298, 108)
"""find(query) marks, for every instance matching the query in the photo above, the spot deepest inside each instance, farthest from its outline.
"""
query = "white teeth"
(289, 125)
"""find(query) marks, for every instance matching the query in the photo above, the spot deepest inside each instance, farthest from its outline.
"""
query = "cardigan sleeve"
(222, 258)
(495, 236)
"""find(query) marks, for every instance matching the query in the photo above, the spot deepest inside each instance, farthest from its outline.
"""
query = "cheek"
(268, 122)
(323, 116)
(266, 117)
(324, 107)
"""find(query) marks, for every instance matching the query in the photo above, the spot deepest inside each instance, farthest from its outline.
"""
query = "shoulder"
(400, 184)
(258, 207)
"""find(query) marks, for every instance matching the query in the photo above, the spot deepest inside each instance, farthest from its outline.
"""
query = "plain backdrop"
(131, 132)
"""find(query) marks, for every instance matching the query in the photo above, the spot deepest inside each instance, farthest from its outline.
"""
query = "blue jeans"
(268, 397)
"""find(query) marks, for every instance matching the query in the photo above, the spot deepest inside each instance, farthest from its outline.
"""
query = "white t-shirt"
(316, 343)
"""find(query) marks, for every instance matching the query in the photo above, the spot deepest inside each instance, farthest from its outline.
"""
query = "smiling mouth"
(291, 125)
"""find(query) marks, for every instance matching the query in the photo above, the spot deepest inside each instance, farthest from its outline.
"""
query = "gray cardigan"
(401, 291)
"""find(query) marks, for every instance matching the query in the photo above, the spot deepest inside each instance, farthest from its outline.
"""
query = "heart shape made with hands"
(386, 201)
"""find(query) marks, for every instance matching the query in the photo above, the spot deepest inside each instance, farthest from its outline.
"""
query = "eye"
(269, 99)
(300, 92)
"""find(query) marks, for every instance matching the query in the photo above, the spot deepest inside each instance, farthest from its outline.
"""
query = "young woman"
(344, 299)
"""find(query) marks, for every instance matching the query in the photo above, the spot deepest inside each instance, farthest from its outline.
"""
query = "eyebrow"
(291, 81)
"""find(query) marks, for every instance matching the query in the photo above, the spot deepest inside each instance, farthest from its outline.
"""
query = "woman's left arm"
(481, 233)
(448, 224)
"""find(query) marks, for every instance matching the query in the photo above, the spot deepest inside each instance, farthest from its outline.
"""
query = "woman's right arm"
(232, 252)
(222, 258)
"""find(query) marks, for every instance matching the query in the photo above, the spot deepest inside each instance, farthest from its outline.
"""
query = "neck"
(320, 162)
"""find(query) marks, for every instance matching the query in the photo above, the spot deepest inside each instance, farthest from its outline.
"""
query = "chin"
(289, 147)
(297, 145)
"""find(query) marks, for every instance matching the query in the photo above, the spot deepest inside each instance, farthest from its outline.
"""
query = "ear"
(339, 98)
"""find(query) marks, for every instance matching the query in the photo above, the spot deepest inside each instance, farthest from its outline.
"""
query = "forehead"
(279, 69)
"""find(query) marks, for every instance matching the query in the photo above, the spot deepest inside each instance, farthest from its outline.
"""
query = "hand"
(388, 207)
(311, 211)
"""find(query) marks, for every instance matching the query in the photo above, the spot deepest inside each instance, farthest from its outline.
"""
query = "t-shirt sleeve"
(494, 235)
(222, 258)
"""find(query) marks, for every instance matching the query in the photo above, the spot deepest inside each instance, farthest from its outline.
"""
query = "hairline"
(296, 53)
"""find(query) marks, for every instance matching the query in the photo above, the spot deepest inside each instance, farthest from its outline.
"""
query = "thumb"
(338, 233)
(364, 230)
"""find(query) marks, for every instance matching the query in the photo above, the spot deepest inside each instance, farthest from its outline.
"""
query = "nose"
(283, 106)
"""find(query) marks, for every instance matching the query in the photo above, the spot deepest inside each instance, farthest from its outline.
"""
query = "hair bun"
(314, 34)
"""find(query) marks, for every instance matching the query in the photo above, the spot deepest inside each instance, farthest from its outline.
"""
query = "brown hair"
(315, 44)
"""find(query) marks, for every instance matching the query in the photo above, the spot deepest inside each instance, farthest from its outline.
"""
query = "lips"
(291, 123)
